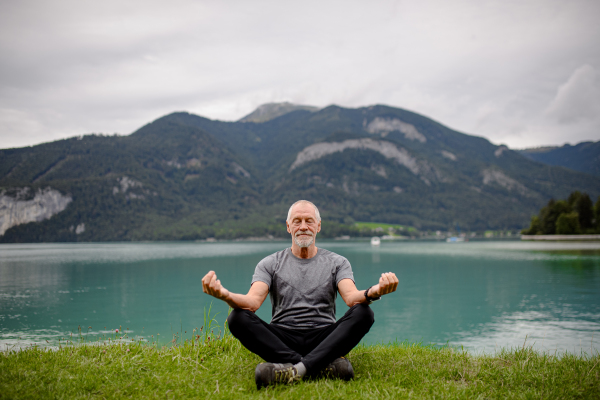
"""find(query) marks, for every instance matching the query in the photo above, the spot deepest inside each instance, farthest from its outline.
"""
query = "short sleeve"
(264, 271)
(344, 271)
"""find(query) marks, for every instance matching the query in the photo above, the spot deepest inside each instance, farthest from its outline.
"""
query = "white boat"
(375, 241)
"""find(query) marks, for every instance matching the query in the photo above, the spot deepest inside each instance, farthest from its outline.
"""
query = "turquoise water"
(481, 295)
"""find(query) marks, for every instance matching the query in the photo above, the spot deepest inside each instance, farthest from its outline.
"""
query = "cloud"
(578, 98)
(489, 68)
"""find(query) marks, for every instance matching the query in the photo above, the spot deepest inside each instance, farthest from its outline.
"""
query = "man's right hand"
(211, 285)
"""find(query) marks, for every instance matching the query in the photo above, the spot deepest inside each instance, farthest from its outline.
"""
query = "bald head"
(317, 214)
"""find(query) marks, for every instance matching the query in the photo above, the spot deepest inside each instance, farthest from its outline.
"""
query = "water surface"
(481, 295)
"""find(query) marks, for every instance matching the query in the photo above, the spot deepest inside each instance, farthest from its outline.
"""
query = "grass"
(220, 368)
(374, 225)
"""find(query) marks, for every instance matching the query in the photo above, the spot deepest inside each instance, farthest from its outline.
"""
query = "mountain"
(583, 157)
(152, 184)
(188, 177)
(269, 111)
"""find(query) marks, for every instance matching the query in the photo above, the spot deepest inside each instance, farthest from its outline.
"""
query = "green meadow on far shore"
(385, 227)
(205, 366)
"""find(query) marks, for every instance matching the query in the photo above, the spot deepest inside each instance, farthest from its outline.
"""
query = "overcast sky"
(523, 73)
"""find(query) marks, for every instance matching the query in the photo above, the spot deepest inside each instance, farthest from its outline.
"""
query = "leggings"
(315, 347)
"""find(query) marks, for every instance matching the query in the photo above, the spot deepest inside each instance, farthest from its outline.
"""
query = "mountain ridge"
(190, 177)
(582, 157)
(269, 111)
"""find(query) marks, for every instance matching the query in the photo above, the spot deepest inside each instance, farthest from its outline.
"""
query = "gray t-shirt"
(303, 291)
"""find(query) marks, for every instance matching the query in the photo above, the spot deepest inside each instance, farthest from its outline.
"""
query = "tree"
(535, 228)
(582, 204)
(550, 213)
(568, 224)
(574, 197)
(597, 214)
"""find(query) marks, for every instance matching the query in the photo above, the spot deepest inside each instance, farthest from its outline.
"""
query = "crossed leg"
(316, 348)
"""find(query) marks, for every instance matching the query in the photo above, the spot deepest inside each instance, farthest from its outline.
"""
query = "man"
(303, 337)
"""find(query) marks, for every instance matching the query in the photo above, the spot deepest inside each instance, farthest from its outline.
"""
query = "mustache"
(307, 232)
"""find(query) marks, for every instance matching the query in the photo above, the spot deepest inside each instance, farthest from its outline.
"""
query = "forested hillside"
(187, 177)
(582, 157)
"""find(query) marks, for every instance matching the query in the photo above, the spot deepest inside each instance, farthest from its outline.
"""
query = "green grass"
(374, 225)
(221, 368)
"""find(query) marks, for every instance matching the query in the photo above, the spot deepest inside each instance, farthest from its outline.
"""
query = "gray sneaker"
(268, 374)
(340, 368)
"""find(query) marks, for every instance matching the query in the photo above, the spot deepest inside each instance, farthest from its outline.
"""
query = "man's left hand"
(387, 284)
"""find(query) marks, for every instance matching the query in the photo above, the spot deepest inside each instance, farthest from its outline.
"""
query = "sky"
(522, 73)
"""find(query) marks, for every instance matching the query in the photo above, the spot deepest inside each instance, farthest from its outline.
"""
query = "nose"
(303, 225)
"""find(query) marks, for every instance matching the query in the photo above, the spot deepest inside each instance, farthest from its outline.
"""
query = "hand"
(387, 284)
(211, 285)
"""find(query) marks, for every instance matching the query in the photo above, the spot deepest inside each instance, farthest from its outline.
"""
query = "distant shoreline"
(557, 238)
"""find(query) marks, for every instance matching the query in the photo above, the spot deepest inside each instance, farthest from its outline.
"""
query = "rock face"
(385, 125)
(448, 155)
(387, 149)
(269, 111)
(126, 183)
(501, 149)
(491, 176)
(18, 210)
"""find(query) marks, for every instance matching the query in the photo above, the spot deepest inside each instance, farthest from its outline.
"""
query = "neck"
(304, 252)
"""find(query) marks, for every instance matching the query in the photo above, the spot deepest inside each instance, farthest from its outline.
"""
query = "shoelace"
(285, 375)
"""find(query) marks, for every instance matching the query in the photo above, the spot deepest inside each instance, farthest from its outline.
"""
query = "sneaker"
(340, 368)
(268, 374)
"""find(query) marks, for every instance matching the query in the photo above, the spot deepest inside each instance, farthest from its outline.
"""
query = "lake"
(482, 295)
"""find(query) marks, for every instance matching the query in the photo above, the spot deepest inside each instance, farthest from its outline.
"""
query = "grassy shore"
(222, 368)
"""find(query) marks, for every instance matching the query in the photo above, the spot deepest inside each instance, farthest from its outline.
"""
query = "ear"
(287, 225)
(319, 227)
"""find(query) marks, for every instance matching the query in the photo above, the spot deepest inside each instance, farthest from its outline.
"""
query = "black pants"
(315, 347)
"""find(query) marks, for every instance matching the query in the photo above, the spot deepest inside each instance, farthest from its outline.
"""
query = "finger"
(206, 282)
(389, 276)
(385, 279)
(206, 278)
(382, 282)
(209, 285)
(382, 285)
(395, 280)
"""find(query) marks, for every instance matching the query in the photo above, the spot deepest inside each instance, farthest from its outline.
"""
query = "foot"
(340, 368)
(268, 374)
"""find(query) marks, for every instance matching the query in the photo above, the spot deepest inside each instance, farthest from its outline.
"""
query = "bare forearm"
(251, 301)
(388, 282)
(358, 296)
(242, 301)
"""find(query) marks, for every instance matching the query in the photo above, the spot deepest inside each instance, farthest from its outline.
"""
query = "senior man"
(303, 338)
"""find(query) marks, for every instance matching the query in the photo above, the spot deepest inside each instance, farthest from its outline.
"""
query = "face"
(303, 225)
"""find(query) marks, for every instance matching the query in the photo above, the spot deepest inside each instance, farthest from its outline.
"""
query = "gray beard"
(303, 243)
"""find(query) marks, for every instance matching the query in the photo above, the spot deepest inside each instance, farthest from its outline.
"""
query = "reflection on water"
(542, 330)
(482, 295)
(593, 252)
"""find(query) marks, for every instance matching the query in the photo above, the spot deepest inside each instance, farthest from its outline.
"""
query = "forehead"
(303, 210)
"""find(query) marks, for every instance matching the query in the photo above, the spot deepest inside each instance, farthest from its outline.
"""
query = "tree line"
(575, 215)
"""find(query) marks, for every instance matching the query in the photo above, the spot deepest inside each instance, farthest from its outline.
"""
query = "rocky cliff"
(21, 207)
